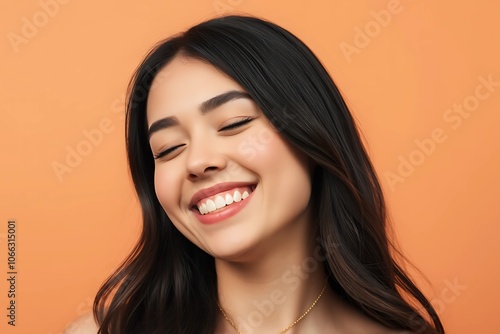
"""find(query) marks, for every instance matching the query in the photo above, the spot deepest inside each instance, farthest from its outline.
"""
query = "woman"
(262, 212)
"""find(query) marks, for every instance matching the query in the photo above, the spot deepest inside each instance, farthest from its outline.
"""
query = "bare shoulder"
(85, 324)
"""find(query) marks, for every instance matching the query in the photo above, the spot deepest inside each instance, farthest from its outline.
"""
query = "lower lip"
(225, 213)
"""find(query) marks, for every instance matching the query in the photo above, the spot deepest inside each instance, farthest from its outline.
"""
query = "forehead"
(182, 85)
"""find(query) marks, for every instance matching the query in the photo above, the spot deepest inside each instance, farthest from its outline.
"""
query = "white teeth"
(211, 205)
(237, 196)
(229, 199)
(220, 202)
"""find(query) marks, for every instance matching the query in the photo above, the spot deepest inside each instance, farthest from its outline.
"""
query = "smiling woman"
(203, 177)
(261, 210)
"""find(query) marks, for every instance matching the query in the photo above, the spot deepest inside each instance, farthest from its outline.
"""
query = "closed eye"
(229, 127)
(167, 151)
(237, 124)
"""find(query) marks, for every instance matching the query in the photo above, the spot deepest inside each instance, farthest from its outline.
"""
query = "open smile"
(223, 204)
(223, 199)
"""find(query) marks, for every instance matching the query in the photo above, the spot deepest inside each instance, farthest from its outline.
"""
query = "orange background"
(67, 78)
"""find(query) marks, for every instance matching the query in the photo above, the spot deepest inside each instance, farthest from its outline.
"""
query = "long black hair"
(167, 284)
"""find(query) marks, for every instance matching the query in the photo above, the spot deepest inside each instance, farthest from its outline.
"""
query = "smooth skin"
(266, 257)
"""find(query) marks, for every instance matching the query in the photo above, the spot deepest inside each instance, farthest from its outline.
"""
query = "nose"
(204, 159)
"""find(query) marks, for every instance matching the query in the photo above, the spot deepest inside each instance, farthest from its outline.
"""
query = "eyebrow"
(205, 107)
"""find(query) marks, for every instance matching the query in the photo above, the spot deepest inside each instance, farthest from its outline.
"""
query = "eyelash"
(237, 124)
(233, 126)
(167, 151)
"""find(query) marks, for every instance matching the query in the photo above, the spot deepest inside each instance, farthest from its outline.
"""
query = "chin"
(234, 249)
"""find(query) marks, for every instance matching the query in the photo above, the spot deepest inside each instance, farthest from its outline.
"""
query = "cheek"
(285, 173)
(256, 145)
(167, 190)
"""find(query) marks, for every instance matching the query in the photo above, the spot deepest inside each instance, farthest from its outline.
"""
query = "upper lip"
(220, 187)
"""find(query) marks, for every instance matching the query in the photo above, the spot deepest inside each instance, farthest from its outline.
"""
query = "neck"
(267, 295)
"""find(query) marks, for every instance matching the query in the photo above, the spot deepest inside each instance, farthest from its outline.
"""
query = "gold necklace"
(284, 329)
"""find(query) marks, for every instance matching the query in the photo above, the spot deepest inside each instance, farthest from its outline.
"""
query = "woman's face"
(227, 180)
